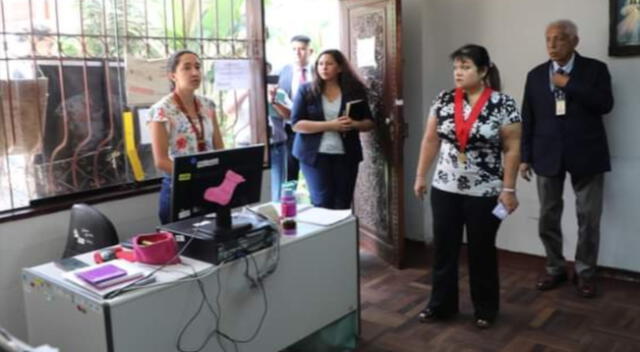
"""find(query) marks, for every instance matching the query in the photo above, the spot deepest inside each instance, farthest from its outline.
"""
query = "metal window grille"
(62, 83)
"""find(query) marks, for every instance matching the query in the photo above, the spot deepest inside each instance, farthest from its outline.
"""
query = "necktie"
(303, 76)
(557, 92)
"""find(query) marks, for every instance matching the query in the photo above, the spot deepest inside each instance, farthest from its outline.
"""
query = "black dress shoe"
(430, 315)
(584, 287)
(483, 323)
(549, 282)
(427, 315)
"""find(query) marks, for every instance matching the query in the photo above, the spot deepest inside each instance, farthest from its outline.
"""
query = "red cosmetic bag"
(156, 248)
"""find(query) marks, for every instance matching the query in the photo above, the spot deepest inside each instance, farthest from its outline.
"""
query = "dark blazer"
(576, 142)
(284, 79)
(306, 145)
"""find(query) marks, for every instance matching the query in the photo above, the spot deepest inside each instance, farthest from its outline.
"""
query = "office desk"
(315, 284)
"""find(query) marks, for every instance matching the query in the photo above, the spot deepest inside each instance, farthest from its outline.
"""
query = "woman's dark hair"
(480, 57)
(174, 60)
(348, 80)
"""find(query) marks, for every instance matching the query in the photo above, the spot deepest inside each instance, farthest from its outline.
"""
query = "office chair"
(89, 230)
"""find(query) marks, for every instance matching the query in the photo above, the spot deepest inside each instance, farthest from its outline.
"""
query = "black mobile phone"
(272, 79)
(128, 244)
(68, 264)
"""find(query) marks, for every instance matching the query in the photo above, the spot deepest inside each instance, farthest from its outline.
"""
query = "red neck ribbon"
(202, 146)
(463, 127)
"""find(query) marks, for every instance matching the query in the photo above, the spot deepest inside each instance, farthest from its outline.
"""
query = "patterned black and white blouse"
(481, 175)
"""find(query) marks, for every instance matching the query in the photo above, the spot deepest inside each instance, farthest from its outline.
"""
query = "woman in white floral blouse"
(475, 130)
(182, 122)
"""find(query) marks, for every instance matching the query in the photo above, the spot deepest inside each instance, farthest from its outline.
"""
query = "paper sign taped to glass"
(232, 74)
(146, 80)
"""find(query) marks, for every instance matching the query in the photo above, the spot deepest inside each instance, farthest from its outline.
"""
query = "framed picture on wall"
(624, 27)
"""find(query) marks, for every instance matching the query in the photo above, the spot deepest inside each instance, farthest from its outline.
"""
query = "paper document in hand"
(323, 216)
(347, 106)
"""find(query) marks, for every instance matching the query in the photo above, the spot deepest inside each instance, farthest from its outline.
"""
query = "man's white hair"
(567, 26)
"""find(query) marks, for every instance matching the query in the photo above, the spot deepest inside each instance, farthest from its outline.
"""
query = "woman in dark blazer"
(328, 115)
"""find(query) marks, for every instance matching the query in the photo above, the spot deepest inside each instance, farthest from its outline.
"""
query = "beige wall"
(513, 31)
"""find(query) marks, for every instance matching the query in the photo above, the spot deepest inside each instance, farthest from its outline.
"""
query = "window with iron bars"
(63, 85)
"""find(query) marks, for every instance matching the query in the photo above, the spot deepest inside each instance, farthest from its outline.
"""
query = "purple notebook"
(101, 274)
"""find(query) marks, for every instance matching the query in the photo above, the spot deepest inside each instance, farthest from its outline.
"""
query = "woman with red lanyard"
(182, 122)
(475, 131)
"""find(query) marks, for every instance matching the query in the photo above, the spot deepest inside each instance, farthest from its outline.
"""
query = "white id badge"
(561, 107)
(500, 211)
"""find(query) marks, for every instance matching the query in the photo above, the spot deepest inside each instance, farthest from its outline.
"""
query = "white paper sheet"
(145, 136)
(146, 80)
(366, 51)
(322, 216)
(232, 74)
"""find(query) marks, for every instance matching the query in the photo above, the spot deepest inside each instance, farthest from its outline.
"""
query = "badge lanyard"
(463, 127)
(561, 102)
(560, 97)
(199, 133)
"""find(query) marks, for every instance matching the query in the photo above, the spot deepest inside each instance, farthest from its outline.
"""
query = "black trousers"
(453, 213)
(293, 165)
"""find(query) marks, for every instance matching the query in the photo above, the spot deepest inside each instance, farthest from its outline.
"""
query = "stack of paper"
(323, 216)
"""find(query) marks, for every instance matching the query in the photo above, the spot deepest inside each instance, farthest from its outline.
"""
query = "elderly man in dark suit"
(563, 132)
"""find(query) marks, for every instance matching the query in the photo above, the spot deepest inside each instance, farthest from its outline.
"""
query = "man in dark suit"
(290, 79)
(563, 132)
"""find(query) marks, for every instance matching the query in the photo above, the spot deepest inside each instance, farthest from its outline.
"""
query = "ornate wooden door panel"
(371, 40)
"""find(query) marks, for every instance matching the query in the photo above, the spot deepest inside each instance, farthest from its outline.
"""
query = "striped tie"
(557, 92)
(303, 76)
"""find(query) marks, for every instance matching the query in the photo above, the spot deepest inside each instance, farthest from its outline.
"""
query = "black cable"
(220, 333)
(257, 281)
(215, 331)
(264, 298)
(184, 329)
(203, 300)
(270, 268)
(200, 285)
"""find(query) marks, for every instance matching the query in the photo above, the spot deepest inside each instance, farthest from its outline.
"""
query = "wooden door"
(371, 39)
